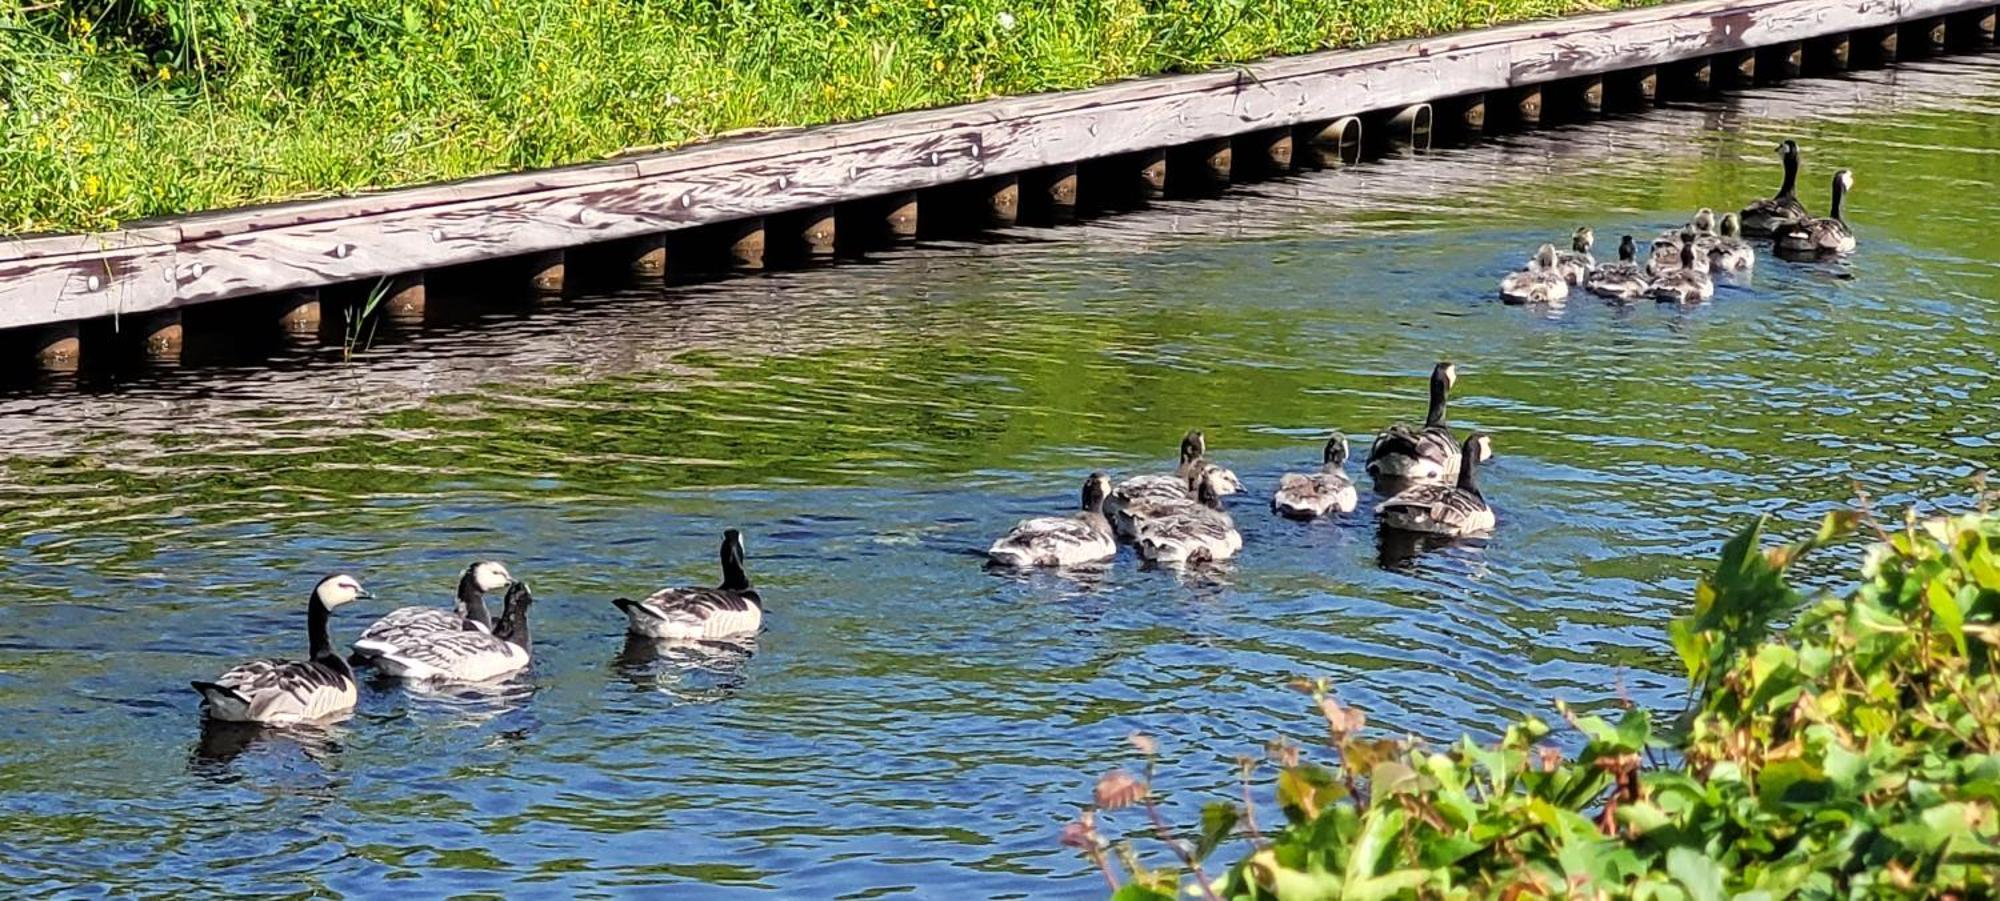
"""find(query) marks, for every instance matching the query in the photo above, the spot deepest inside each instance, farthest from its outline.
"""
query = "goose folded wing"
(279, 688)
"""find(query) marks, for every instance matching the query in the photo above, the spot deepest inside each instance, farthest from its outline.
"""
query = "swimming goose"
(1686, 284)
(468, 655)
(405, 626)
(1170, 486)
(730, 609)
(1305, 495)
(1541, 282)
(1575, 263)
(1728, 251)
(1126, 520)
(1622, 280)
(1084, 537)
(1773, 214)
(1703, 223)
(1454, 510)
(1426, 454)
(1667, 256)
(320, 687)
(1829, 235)
(1197, 531)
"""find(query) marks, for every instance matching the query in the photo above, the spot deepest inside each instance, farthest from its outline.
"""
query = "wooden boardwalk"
(176, 263)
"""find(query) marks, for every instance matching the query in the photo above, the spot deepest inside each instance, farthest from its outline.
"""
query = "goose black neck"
(1839, 198)
(1791, 173)
(733, 577)
(513, 625)
(1627, 251)
(1468, 470)
(1436, 417)
(472, 600)
(318, 637)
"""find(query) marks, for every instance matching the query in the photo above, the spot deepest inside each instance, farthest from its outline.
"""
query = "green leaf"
(1696, 873)
(1218, 820)
(1133, 891)
(1371, 852)
(1947, 613)
(1395, 884)
(1391, 778)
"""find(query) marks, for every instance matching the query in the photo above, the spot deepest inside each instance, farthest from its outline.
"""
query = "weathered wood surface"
(259, 250)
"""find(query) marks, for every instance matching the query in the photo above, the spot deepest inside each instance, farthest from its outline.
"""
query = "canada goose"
(1667, 256)
(1622, 280)
(1575, 263)
(1196, 531)
(406, 625)
(320, 687)
(730, 609)
(1686, 284)
(1829, 235)
(1305, 495)
(1426, 454)
(1084, 537)
(1771, 215)
(1454, 510)
(468, 655)
(1171, 486)
(1541, 282)
(1727, 250)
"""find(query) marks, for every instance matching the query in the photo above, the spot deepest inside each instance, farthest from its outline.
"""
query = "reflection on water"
(909, 719)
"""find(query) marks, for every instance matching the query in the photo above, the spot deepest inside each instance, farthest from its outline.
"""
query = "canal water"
(911, 723)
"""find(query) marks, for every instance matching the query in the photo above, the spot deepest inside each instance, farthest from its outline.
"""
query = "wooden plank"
(300, 245)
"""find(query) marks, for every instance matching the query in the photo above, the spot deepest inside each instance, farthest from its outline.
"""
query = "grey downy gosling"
(1197, 531)
(1541, 282)
(1667, 257)
(1773, 214)
(1084, 537)
(1829, 235)
(1727, 251)
(1703, 223)
(1131, 518)
(1143, 490)
(1575, 263)
(469, 655)
(318, 688)
(1456, 510)
(1686, 284)
(1426, 453)
(1622, 280)
(405, 627)
(683, 614)
(1309, 495)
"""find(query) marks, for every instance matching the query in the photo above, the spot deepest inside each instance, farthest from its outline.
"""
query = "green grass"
(114, 110)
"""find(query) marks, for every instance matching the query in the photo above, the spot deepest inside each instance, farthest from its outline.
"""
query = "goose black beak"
(365, 595)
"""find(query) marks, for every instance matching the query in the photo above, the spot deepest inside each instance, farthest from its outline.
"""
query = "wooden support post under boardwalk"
(648, 254)
(900, 217)
(162, 336)
(1792, 60)
(1217, 157)
(404, 298)
(1337, 143)
(1939, 34)
(58, 348)
(1152, 175)
(1003, 201)
(1743, 69)
(820, 233)
(1985, 24)
(1701, 76)
(1264, 153)
(1590, 95)
(1052, 193)
(1528, 105)
(1471, 117)
(546, 273)
(1834, 54)
(299, 316)
(1409, 130)
(1648, 81)
(1885, 41)
(746, 244)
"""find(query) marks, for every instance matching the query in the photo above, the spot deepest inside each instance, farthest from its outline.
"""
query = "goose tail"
(222, 701)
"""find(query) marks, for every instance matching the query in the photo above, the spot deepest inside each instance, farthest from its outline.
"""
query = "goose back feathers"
(1307, 495)
(1420, 454)
(469, 655)
(406, 627)
(1456, 510)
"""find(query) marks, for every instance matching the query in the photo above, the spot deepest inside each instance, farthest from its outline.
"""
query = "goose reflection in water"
(688, 669)
(222, 744)
(1398, 550)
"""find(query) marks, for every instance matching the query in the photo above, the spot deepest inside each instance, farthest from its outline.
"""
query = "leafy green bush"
(1855, 754)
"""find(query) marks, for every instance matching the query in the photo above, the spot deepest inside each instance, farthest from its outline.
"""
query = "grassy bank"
(112, 110)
